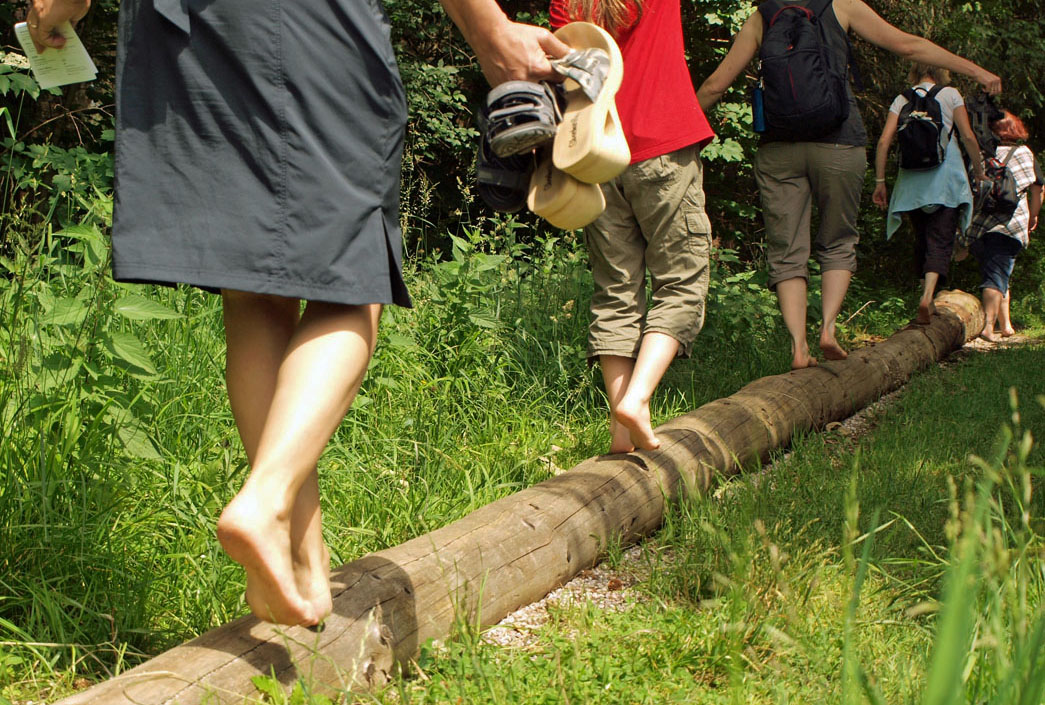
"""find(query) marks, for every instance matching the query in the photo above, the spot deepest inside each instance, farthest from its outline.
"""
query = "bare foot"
(989, 336)
(830, 347)
(926, 309)
(1008, 332)
(635, 417)
(312, 577)
(257, 539)
(620, 438)
(803, 362)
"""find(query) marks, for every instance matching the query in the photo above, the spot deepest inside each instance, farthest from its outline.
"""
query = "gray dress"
(258, 148)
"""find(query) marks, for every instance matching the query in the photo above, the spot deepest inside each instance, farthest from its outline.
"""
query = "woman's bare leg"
(616, 375)
(991, 305)
(791, 295)
(632, 411)
(273, 526)
(834, 285)
(1004, 322)
(926, 308)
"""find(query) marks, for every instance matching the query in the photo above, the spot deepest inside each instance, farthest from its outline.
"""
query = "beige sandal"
(561, 199)
(590, 143)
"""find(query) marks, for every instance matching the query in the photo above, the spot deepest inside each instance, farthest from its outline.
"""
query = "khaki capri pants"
(654, 220)
(790, 175)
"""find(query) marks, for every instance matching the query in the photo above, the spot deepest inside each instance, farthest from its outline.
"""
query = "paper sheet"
(58, 67)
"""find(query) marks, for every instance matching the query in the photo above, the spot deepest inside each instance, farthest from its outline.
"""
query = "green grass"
(822, 580)
(118, 450)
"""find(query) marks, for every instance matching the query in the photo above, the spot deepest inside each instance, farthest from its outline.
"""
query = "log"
(514, 551)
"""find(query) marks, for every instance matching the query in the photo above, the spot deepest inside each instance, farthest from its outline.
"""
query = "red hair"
(1010, 129)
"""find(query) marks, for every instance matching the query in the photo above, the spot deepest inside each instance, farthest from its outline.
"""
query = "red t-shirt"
(656, 101)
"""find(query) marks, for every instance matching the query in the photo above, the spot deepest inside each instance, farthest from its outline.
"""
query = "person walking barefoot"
(273, 178)
(654, 219)
(828, 169)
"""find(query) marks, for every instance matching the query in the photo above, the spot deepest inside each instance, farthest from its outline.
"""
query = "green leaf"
(131, 350)
(137, 443)
(268, 685)
(140, 308)
(484, 319)
(66, 312)
(399, 341)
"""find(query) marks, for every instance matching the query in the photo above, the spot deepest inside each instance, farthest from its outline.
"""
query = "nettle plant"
(41, 181)
(72, 338)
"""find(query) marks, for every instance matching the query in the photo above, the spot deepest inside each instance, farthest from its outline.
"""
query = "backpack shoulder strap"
(1012, 150)
(909, 94)
(768, 10)
(817, 7)
(934, 91)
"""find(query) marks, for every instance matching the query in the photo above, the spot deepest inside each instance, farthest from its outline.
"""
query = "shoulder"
(898, 103)
(952, 95)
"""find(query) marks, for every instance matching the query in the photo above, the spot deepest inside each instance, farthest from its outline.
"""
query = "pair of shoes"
(579, 118)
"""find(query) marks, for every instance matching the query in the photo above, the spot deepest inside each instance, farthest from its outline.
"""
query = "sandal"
(561, 199)
(590, 143)
(502, 182)
(521, 115)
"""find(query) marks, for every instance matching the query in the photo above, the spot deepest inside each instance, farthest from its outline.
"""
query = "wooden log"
(514, 551)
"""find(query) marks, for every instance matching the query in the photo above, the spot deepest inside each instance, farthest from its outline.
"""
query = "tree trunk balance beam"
(516, 550)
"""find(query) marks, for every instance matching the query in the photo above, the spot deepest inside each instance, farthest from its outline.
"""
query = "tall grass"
(118, 450)
(903, 567)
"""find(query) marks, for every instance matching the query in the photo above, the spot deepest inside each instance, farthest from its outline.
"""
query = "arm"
(1034, 203)
(506, 50)
(45, 15)
(744, 48)
(972, 147)
(880, 197)
(855, 15)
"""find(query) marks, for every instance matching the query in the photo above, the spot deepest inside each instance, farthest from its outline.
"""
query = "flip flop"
(590, 143)
(561, 199)
(522, 115)
(501, 182)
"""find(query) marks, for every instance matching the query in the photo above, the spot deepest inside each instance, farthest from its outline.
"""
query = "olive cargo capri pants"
(654, 220)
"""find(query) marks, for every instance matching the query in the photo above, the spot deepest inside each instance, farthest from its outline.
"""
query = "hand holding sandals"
(506, 50)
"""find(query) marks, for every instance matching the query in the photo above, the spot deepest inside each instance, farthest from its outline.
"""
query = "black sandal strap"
(588, 67)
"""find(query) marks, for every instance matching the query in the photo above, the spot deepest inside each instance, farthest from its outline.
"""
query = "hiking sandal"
(521, 116)
(501, 182)
(590, 144)
(561, 199)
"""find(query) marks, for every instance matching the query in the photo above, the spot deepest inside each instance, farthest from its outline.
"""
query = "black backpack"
(994, 201)
(920, 134)
(1003, 197)
(982, 111)
(803, 93)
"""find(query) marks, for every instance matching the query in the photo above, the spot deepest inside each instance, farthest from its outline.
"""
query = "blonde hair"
(611, 15)
(942, 77)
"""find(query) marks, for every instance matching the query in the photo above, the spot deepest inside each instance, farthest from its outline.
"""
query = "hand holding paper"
(57, 67)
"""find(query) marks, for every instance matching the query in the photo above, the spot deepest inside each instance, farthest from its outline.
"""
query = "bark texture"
(514, 551)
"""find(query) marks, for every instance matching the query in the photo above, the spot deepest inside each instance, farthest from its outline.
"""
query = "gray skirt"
(258, 148)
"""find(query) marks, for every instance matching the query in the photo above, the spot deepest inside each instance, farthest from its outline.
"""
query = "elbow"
(910, 47)
(708, 94)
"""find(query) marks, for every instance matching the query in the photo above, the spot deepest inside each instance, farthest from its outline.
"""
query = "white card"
(58, 67)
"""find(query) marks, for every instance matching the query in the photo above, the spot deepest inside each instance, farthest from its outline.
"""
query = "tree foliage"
(56, 145)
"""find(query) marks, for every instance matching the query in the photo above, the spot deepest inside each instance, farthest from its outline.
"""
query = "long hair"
(1010, 129)
(940, 77)
(611, 15)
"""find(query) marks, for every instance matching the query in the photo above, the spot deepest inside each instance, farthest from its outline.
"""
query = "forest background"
(117, 449)
(57, 145)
